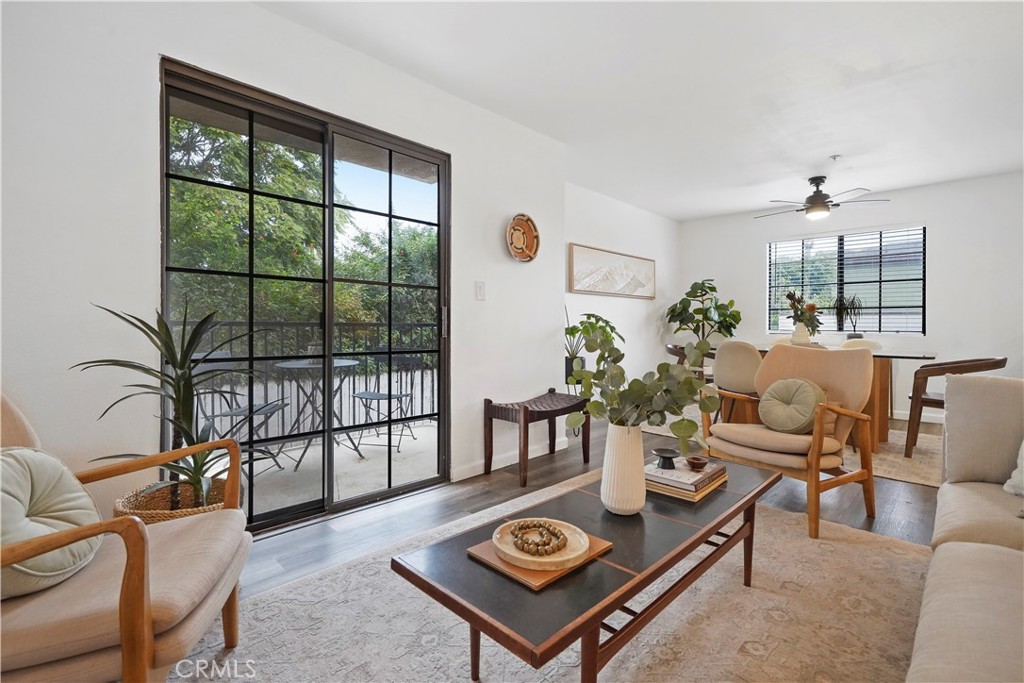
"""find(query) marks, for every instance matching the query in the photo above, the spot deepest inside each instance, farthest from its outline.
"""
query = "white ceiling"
(698, 109)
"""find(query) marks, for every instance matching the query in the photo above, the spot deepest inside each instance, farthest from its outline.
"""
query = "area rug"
(924, 468)
(841, 608)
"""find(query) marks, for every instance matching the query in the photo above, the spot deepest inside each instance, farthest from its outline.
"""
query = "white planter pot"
(622, 479)
(800, 334)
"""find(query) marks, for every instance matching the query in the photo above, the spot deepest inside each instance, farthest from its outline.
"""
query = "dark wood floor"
(905, 511)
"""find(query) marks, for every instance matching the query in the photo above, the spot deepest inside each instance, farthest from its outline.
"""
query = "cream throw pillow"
(1015, 484)
(38, 496)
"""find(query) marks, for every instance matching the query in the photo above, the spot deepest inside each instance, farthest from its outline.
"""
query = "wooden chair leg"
(229, 615)
(867, 484)
(488, 436)
(586, 438)
(913, 425)
(524, 443)
(551, 435)
(813, 505)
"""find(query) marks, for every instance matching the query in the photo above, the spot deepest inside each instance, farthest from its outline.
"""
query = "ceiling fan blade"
(783, 201)
(861, 201)
(855, 192)
(776, 213)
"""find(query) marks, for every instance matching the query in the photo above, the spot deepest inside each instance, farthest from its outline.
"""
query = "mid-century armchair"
(144, 600)
(845, 376)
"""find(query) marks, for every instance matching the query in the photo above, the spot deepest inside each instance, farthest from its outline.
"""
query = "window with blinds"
(885, 269)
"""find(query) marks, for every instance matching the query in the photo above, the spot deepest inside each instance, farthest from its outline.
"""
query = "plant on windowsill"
(849, 308)
(701, 312)
(576, 334)
(181, 380)
(626, 404)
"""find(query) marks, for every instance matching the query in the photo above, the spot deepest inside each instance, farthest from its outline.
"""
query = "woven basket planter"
(156, 506)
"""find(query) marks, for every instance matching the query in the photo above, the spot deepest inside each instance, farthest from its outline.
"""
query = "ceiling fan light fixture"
(816, 212)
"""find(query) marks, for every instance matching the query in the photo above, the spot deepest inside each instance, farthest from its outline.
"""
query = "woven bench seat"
(547, 406)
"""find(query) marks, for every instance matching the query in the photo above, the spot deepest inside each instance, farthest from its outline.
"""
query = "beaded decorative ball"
(539, 543)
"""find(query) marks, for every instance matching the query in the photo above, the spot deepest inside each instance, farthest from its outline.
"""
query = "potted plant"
(183, 376)
(849, 308)
(701, 312)
(626, 404)
(575, 337)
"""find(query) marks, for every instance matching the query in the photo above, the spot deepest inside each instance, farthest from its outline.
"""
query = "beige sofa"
(972, 613)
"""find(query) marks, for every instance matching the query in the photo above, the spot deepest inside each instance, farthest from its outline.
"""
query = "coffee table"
(537, 626)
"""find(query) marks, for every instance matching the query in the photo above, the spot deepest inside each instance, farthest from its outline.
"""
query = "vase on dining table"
(800, 335)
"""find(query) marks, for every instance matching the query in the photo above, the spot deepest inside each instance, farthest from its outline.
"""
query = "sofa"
(971, 626)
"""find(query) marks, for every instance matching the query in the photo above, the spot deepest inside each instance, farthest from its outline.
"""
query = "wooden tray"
(535, 579)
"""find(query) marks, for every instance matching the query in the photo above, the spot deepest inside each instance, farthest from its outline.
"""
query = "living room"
(82, 98)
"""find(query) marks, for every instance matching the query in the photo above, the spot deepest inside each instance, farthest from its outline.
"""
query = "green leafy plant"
(180, 380)
(590, 324)
(848, 308)
(654, 398)
(701, 312)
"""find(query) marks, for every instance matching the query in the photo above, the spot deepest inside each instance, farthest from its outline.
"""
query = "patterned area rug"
(924, 468)
(841, 608)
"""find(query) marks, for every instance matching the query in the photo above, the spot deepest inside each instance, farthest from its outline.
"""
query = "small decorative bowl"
(696, 462)
(665, 457)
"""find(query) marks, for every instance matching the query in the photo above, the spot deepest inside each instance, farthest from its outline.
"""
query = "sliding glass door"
(317, 245)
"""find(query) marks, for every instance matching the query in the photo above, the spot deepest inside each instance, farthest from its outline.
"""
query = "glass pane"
(360, 246)
(416, 376)
(416, 459)
(287, 318)
(360, 174)
(278, 484)
(222, 395)
(227, 297)
(414, 188)
(354, 475)
(414, 253)
(208, 228)
(414, 318)
(289, 160)
(360, 317)
(207, 139)
(289, 238)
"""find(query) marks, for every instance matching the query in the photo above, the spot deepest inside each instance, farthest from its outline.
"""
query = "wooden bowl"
(696, 462)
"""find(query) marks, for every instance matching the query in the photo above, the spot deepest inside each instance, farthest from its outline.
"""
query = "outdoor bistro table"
(310, 394)
(537, 626)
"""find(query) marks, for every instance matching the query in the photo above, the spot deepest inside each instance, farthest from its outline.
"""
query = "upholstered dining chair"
(734, 368)
(843, 378)
(920, 397)
(144, 599)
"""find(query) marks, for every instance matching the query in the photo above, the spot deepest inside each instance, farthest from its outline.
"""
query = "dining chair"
(734, 368)
(920, 397)
(377, 405)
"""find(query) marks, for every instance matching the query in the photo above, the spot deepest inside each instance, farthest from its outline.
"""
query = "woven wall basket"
(156, 506)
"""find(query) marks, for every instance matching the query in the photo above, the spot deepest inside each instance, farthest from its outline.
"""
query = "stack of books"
(685, 483)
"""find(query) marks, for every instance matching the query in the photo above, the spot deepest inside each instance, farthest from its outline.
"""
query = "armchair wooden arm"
(232, 487)
(725, 393)
(134, 609)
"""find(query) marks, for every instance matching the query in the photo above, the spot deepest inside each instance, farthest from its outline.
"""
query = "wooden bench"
(544, 407)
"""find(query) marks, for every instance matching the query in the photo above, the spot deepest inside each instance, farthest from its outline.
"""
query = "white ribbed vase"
(800, 334)
(622, 480)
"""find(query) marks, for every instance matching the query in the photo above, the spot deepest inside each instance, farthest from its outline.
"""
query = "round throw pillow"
(788, 405)
(38, 496)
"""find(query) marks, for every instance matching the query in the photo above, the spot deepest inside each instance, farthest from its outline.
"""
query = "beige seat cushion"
(760, 437)
(977, 512)
(972, 616)
(772, 458)
(187, 559)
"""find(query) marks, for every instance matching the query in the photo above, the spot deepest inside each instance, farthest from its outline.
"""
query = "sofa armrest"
(232, 487)
(984, 427)
(134, 610)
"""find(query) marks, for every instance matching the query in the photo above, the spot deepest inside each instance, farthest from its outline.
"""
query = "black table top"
(644, 547)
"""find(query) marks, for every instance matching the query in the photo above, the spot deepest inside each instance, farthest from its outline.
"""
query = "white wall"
(975, 245)
(599, 221)
(81, 207)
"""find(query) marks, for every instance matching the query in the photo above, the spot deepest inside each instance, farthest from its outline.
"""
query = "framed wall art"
(600, 271)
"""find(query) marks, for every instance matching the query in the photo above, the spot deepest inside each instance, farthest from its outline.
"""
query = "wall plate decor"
(599, 271)
(522, 238)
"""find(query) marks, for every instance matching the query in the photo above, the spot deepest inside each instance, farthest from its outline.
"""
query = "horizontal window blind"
(885, 269)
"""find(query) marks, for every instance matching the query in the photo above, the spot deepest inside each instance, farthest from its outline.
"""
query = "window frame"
(914, 232)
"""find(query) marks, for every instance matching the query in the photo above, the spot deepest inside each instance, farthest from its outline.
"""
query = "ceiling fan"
(818, 204)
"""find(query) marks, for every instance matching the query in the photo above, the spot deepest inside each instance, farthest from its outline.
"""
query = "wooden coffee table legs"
(474, 653)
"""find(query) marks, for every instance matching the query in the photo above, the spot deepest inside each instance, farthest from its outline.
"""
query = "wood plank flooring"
(905, 511)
